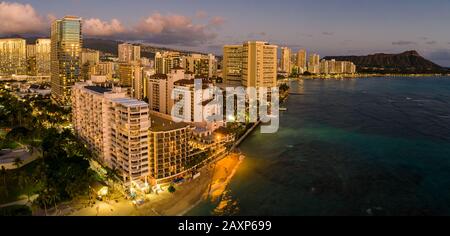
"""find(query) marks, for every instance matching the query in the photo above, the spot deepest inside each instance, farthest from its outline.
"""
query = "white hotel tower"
(114, 126)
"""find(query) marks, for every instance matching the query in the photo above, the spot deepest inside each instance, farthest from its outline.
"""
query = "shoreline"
(218, 186)
(210, 186)
(360, 76)
(213, 181)
(222, 163)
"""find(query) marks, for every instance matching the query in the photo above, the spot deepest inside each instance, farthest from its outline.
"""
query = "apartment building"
(232, 64)
(204, 66)
(160, 87)
(169, 149)
(114, 126)
(13, 57)
(66, 45)
(259, 67)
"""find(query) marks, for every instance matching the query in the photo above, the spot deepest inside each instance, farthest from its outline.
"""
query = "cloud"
(328, 33)
(403, 43)
(97, 27)
(431, 42)
(17, 18)
(216, 21)
(173, 29)
(169, 29)
(201, 14)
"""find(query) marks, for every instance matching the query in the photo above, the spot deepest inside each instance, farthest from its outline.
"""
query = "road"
(21, 202)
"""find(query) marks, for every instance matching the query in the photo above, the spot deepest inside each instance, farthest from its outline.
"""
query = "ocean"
(369, 146)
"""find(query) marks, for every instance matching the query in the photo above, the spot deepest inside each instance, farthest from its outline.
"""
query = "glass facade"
(66, 48)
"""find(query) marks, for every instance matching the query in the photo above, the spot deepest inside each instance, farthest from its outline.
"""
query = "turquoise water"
(376, 146)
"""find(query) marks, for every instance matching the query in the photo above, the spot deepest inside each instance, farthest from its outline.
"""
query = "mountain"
(111, 46)
(106, 45)
(103, 45)
(406, 62)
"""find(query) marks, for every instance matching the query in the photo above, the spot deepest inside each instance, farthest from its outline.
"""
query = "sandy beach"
(209, 186)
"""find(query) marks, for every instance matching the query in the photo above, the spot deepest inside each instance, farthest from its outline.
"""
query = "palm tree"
(3, 172)
(23, 182)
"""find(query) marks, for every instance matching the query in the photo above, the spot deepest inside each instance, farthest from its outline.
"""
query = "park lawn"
(14, 191)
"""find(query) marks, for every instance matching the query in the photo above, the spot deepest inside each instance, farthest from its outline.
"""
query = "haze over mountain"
(108, 46)
(406, 62)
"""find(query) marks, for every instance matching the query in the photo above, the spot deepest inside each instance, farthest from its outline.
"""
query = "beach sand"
(209, 186)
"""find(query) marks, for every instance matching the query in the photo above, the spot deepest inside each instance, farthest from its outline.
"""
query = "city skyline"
(331, 28)
(193, 108)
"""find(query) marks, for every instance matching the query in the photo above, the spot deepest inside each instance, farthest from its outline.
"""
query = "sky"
(327, 27)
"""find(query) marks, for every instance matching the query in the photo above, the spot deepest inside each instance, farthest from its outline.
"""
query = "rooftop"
(158, 76)
(224, 131)
(191, 82)
(159, 124)
(98, 89)
(129, 102)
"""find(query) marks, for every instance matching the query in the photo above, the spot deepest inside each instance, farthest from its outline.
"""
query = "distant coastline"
(362, 75)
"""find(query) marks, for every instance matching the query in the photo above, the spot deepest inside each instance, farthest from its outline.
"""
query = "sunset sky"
(329, 27)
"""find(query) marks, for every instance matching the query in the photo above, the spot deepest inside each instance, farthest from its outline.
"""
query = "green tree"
(18, 133)
(4, 175)
(171, 189)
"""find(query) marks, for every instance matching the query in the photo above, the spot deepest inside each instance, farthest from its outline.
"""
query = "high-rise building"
(89, 61)
(66, 45)
(105, 68)
(186, 88)
(301, 60)
(204, 66)
(337, 67)
(166, 61)
(31, 59)
(129, 52)
(130, 75)
(332, 66)
(340, 67)
(13, 57)
(160, 87)
(314, 63)
(31, 51)
(114, 126)
(259, 64)
(145, 62)
(350, 67)
(169, 149)
(43, 47)
(232, 64)
(89, 56)
(285, 61)
(124, 135)
(324, 67)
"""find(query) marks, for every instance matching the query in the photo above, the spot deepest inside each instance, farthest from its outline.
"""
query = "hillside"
(110, 46)
(406, 62)
(106, 45)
